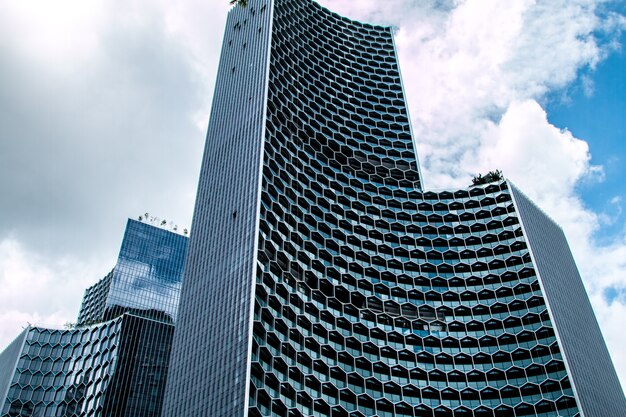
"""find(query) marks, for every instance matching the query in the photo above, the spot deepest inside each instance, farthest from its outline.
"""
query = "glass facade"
(94, 303)
(56, 372)
(115, 361)
(117, 368)
(441, 314)
(146, 279)
(8, 362)
(213, 329)
(322, 280)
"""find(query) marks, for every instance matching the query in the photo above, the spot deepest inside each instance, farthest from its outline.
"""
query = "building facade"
(146, 280)
(114, 361)
(322, 280)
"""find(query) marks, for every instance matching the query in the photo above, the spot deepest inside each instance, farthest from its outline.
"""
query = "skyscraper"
(322, 280)
(146, 279)
(114, 361)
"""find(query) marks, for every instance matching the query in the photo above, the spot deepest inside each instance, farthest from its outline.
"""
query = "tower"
(146, 279)
(114, 360)
(321, 279)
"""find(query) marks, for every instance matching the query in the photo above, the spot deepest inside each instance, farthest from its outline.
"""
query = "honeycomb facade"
(361, 294)
(117, 368)
(45, 379)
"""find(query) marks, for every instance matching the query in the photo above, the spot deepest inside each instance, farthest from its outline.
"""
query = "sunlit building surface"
(114, 361)
(322, 280)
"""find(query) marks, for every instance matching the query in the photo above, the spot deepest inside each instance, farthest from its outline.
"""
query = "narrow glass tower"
(321, 280)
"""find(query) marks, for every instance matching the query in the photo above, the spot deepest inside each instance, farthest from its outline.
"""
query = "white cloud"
(612, 213)
(101, 102)
(513, 143)
(38, 290)
(611, 318)
(469, 73)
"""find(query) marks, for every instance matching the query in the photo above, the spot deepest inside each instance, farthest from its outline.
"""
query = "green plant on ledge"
(242, 3)
(491, 176)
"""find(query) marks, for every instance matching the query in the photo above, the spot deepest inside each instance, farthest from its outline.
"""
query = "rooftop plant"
(155, 221)
(491, 176)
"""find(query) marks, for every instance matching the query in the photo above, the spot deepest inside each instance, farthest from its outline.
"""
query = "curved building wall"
(117, 368)
(370, 297)
(114, 361)
(56, 370)
(442, 316)
(374, 298)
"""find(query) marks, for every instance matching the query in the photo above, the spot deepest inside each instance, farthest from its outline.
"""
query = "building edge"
(255, 253)
(553, 286)
(233, 148)
(9, 358)
(543, 291)
(408, 113)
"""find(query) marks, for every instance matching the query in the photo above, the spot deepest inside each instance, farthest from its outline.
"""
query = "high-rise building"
(114, 361)
(322, 280)
(146, 279)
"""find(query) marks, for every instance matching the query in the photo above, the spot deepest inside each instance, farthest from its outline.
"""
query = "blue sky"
(104, 106)
(599, 116)
(598, 113)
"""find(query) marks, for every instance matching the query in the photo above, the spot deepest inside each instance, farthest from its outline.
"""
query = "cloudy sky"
(104, 104)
